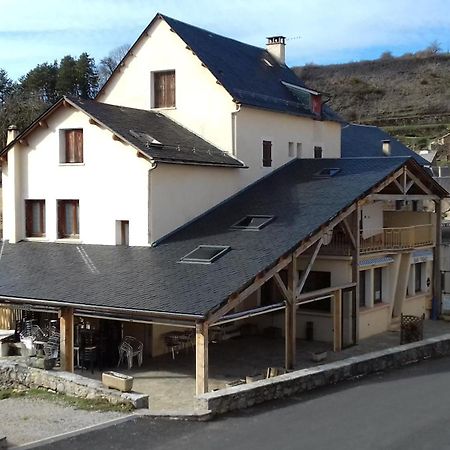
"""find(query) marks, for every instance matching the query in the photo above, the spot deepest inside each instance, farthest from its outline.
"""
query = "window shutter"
(164, 89)
(69, 146)
(267, 153)
(78, 146)
(29, 217)
(61, 221)
(170, 88)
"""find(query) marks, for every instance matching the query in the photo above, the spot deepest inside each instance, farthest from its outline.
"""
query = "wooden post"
(290, 328)
(66, 339)
(355, 272)
(437, 285)
(201, 358)
(337, 321)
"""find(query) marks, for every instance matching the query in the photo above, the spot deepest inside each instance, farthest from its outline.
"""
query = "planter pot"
(318, 356)
(117, 381)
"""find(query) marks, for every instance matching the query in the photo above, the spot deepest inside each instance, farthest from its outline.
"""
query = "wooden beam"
(66, 339)
(302, 248)
(355, 272)
(290, 328)
(23, 142)
(400, 188)
(305, 273)
(94, 122)
(408, 186)
(43, 124)
(392, 197)
(259, 280)
(389, 180)
(419, 183)
(337, 321)
(201, 358)
(437, 286)
(349, 232)
(283, 289)
(322, 293)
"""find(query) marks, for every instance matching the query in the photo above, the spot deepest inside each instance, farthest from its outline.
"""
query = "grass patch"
(101, 405)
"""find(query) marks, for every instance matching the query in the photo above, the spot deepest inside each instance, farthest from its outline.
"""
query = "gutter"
(105, 309)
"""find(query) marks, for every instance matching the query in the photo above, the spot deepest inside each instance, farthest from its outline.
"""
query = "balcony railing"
(398, 238)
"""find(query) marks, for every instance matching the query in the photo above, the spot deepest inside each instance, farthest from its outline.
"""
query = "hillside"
(408, 96)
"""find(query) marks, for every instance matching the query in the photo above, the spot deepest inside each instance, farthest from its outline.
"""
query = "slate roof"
(242, 70)
(140, 127)
(179, 145)
(153, 279)
(365, 141)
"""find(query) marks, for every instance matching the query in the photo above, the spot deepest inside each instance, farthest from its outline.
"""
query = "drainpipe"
(234, 130)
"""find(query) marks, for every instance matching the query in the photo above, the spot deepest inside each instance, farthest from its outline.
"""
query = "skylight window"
(205, 254)
(268, 63)
(253, 223)
(328, 172)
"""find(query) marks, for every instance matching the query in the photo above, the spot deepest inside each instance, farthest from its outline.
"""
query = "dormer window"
(72, 146)
(164, 89)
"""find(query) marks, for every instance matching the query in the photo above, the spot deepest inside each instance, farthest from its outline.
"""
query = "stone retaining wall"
(15, 373)
(246, 395)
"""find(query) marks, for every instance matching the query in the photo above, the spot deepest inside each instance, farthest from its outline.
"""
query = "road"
(402, 409)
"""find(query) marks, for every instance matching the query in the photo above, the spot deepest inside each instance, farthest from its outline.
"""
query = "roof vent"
(328, 172)
(276, 46)
(205, 254)
(253, 223)
(386, 147)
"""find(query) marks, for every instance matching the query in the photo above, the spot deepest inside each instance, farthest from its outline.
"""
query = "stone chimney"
(13, 132)
(386, 147)
(276, 46)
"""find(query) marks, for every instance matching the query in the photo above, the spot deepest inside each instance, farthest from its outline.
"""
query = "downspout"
(234, 130)
(149, 203)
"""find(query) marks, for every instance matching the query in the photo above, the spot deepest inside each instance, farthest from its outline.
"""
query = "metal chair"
(131, 347)
(51, 347)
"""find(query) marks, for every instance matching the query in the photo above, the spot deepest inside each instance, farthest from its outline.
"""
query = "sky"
(318, 31)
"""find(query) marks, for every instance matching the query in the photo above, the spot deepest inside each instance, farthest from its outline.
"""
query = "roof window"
(328, 172)
(253, 223)
(205, 254)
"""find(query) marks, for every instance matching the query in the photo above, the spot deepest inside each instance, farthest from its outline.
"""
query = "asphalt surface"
(403, 409)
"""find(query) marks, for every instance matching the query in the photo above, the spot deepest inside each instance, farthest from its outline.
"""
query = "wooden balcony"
(386, 239)
(399, 238)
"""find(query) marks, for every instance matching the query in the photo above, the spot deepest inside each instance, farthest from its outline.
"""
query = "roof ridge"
(165, 17)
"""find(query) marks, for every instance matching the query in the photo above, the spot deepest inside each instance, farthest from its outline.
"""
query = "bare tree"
(109, 63)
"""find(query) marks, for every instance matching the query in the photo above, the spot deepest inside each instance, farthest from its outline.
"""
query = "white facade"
(110, 185)
(113, 185)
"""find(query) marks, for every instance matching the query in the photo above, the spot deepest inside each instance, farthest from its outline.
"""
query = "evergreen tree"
(87, 76)
(41, 81)
(66, 81)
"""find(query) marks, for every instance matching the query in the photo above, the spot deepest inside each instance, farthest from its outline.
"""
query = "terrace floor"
(170, 383)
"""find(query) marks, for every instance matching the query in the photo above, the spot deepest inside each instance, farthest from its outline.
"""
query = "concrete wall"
(111, 184)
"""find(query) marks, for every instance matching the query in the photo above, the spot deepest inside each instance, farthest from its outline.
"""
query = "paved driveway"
(403, 409)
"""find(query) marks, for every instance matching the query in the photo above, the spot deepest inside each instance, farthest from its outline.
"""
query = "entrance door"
(348, 317)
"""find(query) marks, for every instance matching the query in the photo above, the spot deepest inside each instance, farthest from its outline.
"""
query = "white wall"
(202, 105)
(255, 125)
(111, 184)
